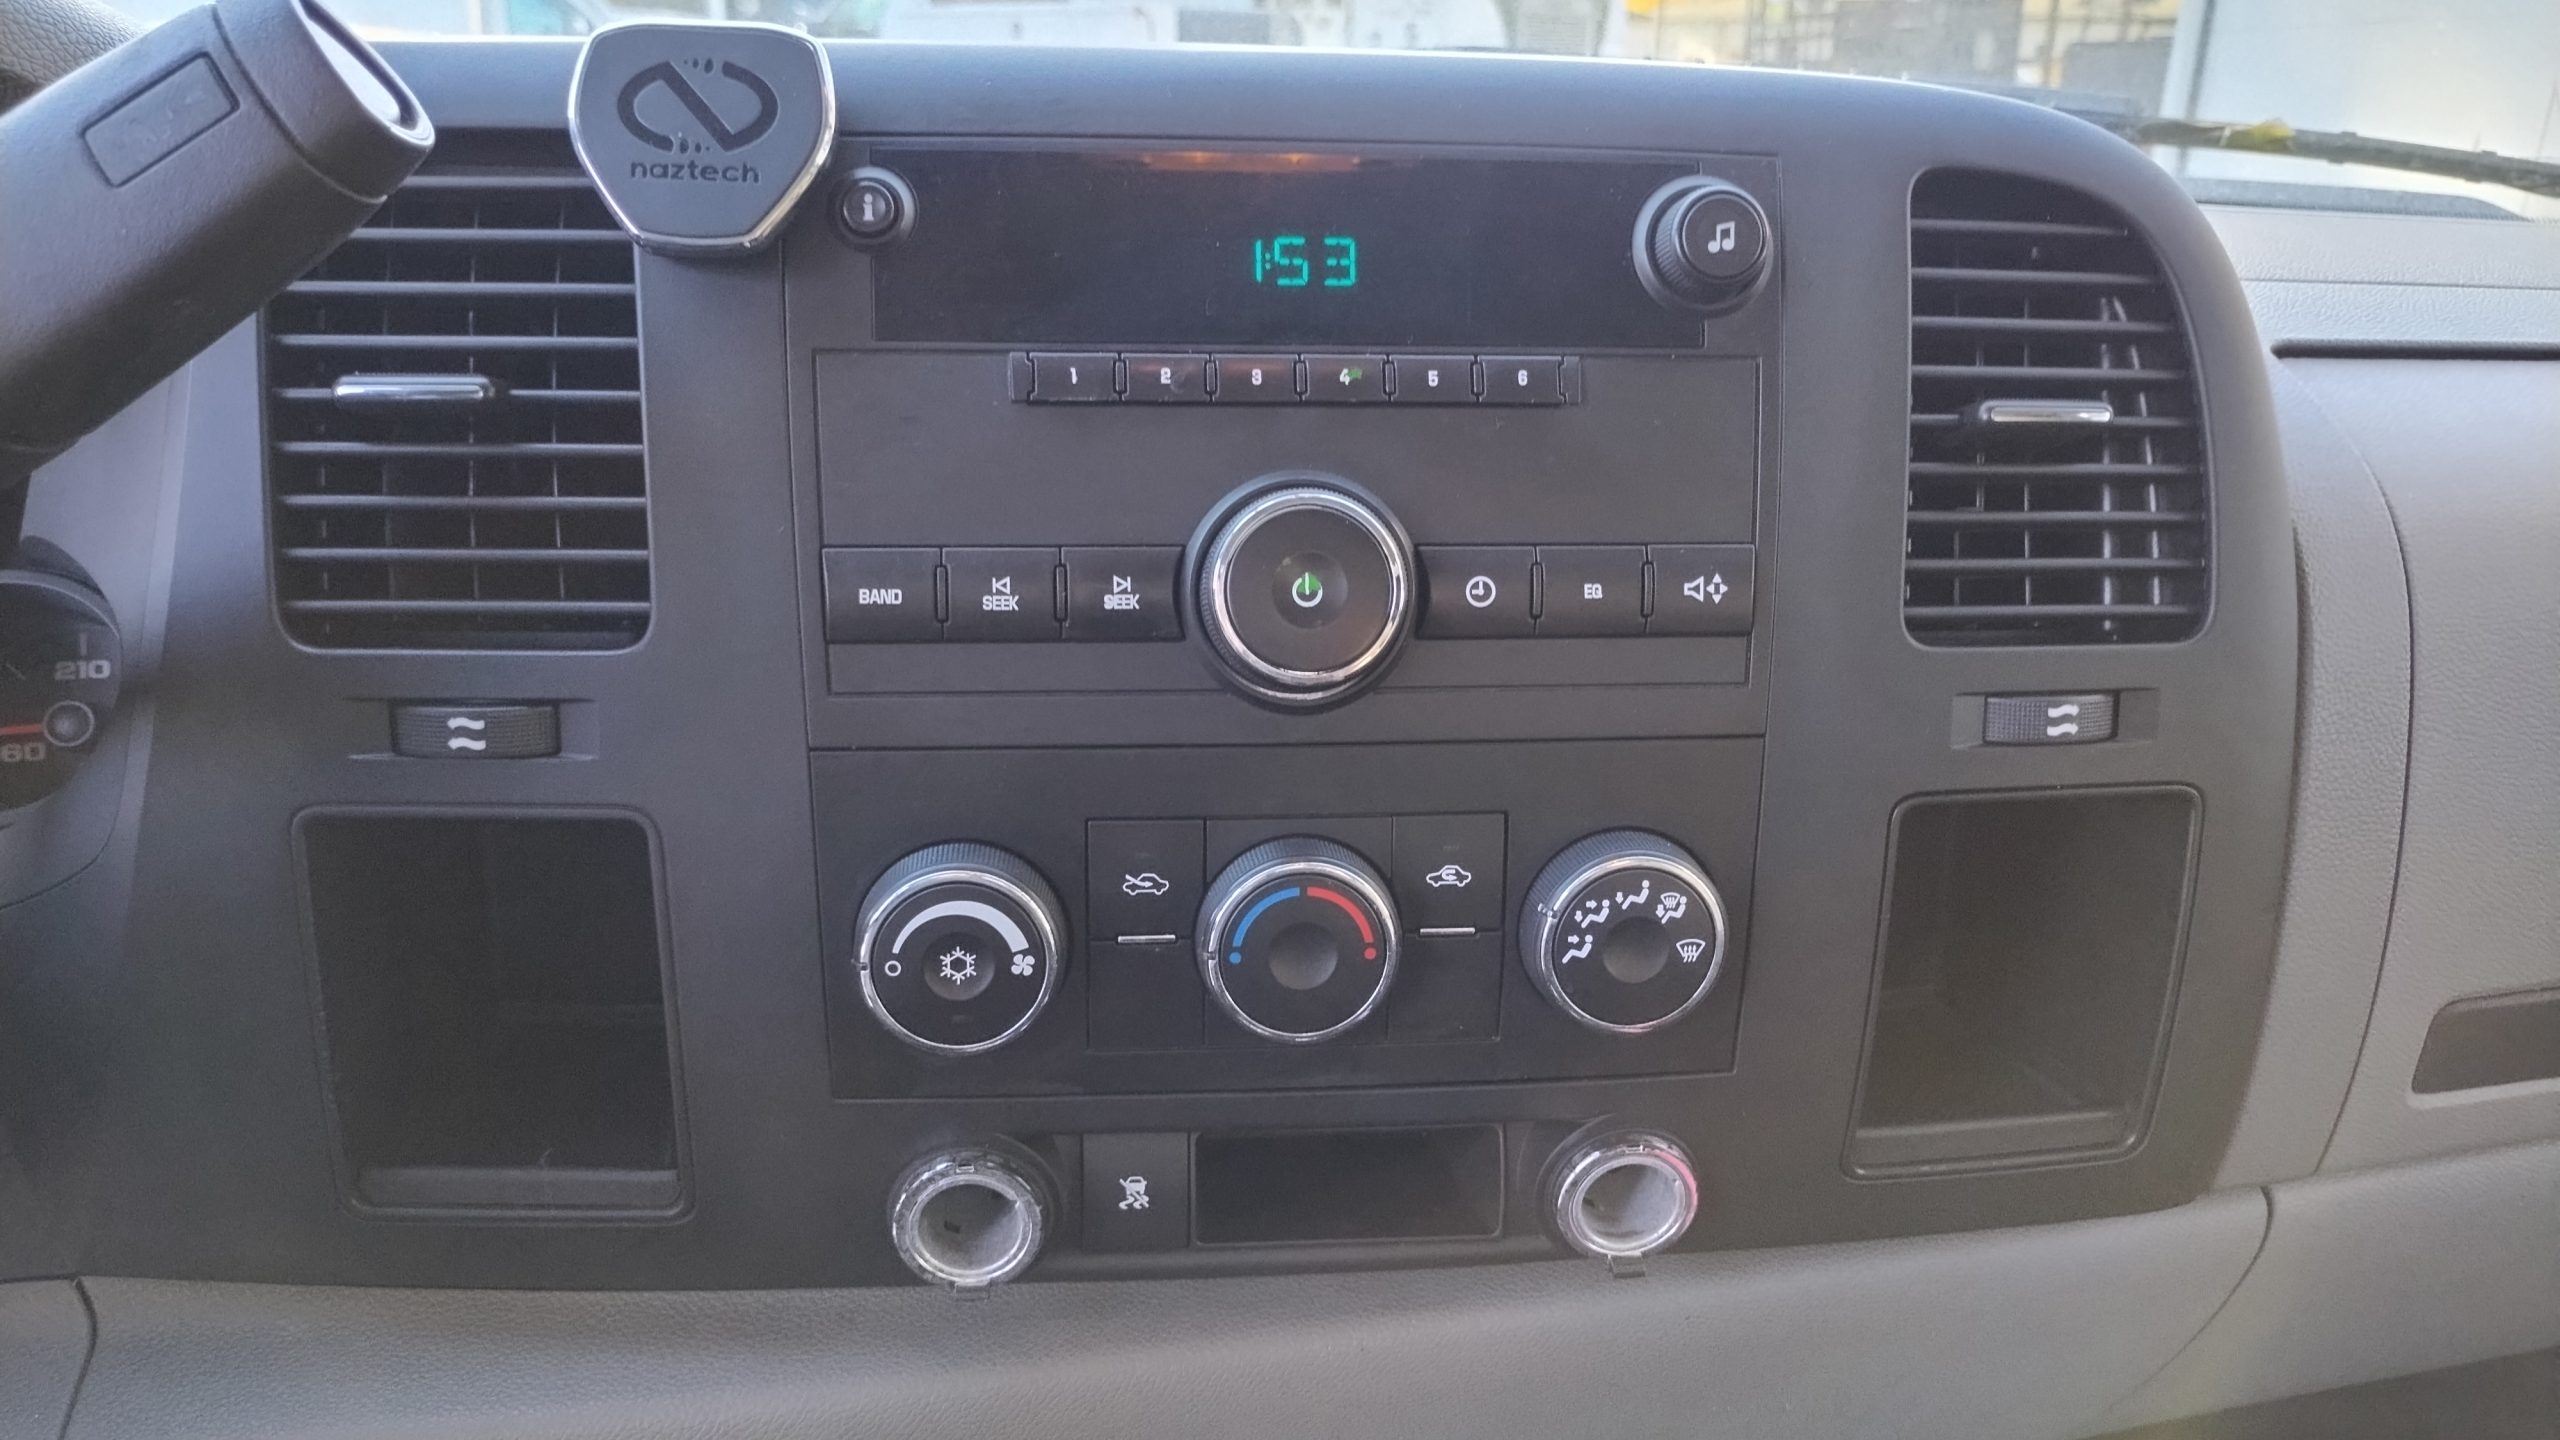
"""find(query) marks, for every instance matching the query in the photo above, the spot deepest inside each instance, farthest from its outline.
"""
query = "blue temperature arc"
(1235, 944)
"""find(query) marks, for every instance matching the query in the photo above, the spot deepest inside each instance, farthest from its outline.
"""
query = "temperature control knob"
(1624, 932)
(959, 948)
(1702, 244)
(1304, 589)
(1298, 940)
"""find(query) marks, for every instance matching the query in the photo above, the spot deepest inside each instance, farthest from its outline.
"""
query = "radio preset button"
(1073, 378)
(1588, 589)
(1169, 379)
(1002, 593)
(1477, 591)
(1700, 590)
(1257, 379)
(1435, 379)
(1523, 380)
(1347, 379)
(1123, 592)
(880, 595)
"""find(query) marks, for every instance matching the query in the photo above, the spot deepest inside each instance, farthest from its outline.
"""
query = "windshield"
(2469, 76)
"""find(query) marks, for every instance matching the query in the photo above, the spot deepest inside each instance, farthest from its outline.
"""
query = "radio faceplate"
(1577, 463)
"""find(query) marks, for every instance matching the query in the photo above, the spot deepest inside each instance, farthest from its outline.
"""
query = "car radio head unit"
(1133, 246)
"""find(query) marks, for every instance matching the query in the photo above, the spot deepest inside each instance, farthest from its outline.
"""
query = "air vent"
(453, 420)
(2057, 482)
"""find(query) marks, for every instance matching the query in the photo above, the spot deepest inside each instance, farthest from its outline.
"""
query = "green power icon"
(1308, 590)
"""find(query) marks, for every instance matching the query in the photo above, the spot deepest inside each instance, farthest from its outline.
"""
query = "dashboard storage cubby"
(2030, 949)
(492, 992)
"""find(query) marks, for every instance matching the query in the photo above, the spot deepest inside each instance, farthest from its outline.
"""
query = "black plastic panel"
(167, 1091)
(873, 809)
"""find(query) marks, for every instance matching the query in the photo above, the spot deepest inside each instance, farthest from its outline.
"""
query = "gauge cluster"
(61, 669)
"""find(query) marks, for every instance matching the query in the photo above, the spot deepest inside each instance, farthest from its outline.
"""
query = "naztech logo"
(672, 77)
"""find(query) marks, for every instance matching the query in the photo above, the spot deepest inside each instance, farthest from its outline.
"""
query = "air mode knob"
(1702, 244)
(959, 947)
(1624, 932)
(1298, 940)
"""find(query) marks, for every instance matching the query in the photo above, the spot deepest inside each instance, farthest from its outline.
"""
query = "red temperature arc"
(1359, 917)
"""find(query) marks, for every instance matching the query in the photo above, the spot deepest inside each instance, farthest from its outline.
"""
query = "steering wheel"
(43, 40)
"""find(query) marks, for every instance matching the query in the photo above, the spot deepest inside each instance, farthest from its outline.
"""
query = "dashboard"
(1213, 665)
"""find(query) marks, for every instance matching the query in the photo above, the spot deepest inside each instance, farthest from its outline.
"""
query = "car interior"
(917, 719)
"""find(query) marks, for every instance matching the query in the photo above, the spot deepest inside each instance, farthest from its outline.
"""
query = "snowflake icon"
(959, 967)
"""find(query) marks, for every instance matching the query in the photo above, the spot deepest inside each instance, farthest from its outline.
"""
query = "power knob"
(1702, 244)
(1304, 589)
(959, 947)
(1624, 932)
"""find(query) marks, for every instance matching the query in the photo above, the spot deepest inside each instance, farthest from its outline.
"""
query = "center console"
(1212, 662)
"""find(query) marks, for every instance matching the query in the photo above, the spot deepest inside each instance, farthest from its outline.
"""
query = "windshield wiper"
(2274, 137)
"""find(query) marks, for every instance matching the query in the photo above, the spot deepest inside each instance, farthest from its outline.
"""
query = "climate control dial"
(1298, 940)
(1624, 932)
(959, 948)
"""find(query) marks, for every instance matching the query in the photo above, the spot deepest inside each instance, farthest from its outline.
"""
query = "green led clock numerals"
(1282, 261)
(1341, 262)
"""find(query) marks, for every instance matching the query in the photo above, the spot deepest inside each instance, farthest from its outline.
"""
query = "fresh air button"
(1002, 593)
(1142, 878)
(1523, 380)
(1448, 871)
(1591, 590)
(1476, 591)
(1122, 592)
(1347, 379)
(1169, 379)
(1435, 379)
(875, 595)
(2049, 719)
(1257, 380)
(1137, 1192)
(1701, 590)
(475, 732)
(1072, 378)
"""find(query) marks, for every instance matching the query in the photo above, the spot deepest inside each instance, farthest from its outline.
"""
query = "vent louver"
(453, 420)
(2057, 480)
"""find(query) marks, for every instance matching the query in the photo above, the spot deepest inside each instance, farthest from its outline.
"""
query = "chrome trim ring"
(1619, 851)
(1279, 683)
(952, 1170)
(959, 864)
(1657, 1154)
(1305, 855)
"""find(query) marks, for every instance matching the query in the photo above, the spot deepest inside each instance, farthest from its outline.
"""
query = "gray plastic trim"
(2381, 1273)
(2013, 1335)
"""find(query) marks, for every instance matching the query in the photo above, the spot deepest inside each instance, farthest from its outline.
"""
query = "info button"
(1476, 591)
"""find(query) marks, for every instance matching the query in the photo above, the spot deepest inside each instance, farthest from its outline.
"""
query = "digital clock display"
(1130, 248)
(1296, 262)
